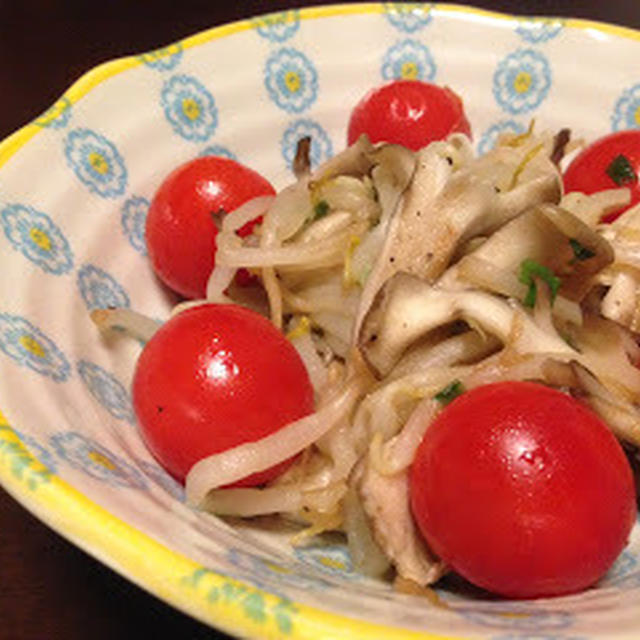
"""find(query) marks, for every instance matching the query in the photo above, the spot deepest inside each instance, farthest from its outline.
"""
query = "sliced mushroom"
(430, 228)
(431, 173)
(622, 417)
(443, 208)
(578, 260)
(546, 234)
(393, 168)
(438, 351)
(408, 308)
(542, 188)
(591, 208)
(355, 160)
(560, 142)
(604, 353)
(621, 303)
(302, 161)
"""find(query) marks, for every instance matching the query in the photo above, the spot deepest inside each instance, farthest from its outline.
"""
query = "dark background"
(48, 588)
(48, 44)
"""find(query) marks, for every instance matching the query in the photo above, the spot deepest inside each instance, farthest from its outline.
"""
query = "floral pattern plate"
(72, 240)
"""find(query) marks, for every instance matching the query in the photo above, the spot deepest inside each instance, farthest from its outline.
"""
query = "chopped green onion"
(580, 252)
(450, 392)
(321, 209)
(621, 171)
(529, 270)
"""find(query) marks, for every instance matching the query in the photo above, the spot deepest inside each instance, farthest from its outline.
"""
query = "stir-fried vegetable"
(407, 280)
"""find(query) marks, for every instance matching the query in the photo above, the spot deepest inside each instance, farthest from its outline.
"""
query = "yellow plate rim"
(167, 574)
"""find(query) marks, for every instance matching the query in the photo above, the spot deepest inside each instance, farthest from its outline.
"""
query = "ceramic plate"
(74, 188)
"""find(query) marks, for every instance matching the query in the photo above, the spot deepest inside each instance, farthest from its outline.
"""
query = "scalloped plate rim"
(118, 551)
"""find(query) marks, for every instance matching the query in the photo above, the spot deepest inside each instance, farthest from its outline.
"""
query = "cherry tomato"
(522, 490)
(213, 377)
(408, 112)
(610, 162)
(180, 228)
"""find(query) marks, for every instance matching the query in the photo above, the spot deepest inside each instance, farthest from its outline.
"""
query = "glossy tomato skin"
(180, 230)
(523, 491)
(213, 377)
(587, 172)
(408, 112)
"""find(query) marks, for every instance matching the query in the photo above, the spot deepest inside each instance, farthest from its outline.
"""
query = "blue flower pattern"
(30, 347)
(522, 81)
(165, 58)
(333, 560)
(99, 290)
(321, 147)
(160, 477)
(517, 616)
(278, 27)
(408, 16)
(133, 219)
(96, 162)
(490, 137)
(42, 454)
(189, 108)
(37, 237)
(539, 30)
(408, 60)
(291, 80)
(57, 116)
(624, 574)
(626, 112)
(218, 150)
(107, 390)
(94, 459)
(274, 575)
(628, 582)
(622, 569)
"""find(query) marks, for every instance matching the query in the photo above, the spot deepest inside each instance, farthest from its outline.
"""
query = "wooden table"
(50, 589)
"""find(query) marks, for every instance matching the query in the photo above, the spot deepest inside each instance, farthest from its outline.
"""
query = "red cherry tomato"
(523, 490)
(180, 227)
(609, 163)
(408, 112)
(213, 377)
